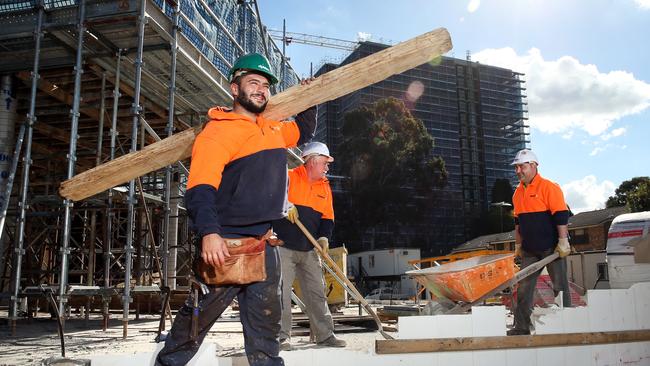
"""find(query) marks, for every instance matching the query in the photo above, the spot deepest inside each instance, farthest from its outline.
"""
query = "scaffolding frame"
(163, 80)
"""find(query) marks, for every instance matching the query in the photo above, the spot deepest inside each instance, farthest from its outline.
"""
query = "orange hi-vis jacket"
(315, 210)
(238, 175)
(539, 208)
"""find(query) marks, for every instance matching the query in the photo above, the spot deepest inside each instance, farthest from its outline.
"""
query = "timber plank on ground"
(508, 342)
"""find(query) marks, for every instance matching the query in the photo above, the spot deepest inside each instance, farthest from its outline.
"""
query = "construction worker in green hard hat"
(253, 62)
(236, 187)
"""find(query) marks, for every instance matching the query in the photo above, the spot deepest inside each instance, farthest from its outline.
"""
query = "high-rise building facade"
(477, 116)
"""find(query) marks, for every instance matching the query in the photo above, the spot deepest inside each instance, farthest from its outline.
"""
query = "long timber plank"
(329, 86)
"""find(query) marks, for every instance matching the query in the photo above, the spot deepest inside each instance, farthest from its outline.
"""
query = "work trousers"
(307, 268)
(526, 290)
(259, 311)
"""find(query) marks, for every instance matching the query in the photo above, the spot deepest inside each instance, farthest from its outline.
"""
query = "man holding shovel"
(311, 199)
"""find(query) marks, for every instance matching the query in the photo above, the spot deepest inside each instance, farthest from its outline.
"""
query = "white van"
(622, 270)
(386, 293)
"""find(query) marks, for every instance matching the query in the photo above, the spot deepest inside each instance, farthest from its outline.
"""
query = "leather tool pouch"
(245, 264)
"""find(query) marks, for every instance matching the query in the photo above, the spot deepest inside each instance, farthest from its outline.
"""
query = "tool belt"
(245, 264)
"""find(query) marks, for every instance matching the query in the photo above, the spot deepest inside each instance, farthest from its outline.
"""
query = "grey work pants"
(259, 313)
(307, 268)
(526, 290)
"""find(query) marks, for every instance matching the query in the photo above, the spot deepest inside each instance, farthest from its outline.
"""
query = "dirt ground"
(37, 339)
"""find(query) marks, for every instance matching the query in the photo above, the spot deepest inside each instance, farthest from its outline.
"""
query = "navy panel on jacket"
(252, 191)
(291, 234)
(539, 229)
(306, 121)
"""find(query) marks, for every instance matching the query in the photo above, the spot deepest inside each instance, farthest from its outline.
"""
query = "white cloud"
(587, 193)
(474, 4)
(596, 151)
(565, 94)
(615, 133)
(363, 36)
(568, 135)
(643, 4)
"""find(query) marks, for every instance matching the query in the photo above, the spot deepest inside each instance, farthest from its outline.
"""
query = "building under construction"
(84, 82)
(477, 115)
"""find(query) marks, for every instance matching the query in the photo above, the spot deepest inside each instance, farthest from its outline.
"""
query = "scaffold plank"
(336, 83)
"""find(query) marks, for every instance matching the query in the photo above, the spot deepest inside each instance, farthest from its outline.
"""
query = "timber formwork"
(94, 80)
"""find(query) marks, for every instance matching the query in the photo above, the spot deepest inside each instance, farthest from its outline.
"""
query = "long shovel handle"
(349, 286)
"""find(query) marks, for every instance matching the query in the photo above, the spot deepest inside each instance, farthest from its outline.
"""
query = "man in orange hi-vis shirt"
(311, 199)
(541, 218)
(237, 186)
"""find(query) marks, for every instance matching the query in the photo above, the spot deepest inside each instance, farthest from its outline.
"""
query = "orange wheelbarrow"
(470, 281)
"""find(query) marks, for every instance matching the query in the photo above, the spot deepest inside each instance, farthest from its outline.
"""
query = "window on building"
(371, 261)
(579, 236)
(603, 275)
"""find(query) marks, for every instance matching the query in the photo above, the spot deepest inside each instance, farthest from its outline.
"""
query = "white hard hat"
(525, 156)
(316, 148)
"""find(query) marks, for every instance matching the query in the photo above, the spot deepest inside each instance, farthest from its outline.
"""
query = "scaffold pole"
(72, 157)
(31, 119)
(137, 110)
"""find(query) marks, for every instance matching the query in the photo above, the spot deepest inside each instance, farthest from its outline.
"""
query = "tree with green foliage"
(636, 187)
(386, 153)
(639, 199)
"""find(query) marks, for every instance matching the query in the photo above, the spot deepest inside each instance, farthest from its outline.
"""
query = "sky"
(586, 64)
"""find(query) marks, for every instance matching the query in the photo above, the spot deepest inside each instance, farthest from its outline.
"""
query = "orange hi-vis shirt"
(237, 181)
(315, 210)
(538, 209)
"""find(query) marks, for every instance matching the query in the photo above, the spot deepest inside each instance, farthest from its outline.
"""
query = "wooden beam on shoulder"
(338, 82)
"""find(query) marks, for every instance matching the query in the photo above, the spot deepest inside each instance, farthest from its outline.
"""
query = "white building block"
(489, 358)
(488, 321)
(519, 357)
(548, 320)
(642, 303)
(580, 355)
(623, 309)
(417, 327)
(452, 326)
(436, 326)
(122, 359)
(637, 353)
(550, 355)
(603, 355)
(455, 358)
(599, 306)
(299, 357)
(428, 359)
(206, 355)
(576, 320)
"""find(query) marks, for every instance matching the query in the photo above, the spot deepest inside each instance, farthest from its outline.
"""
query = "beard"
(245, 101)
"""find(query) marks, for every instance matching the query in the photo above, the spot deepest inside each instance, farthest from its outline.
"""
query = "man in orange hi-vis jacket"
(311, 199)
(541, 218)
(237, 186)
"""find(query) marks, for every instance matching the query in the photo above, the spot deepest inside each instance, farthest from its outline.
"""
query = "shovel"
(343, 280)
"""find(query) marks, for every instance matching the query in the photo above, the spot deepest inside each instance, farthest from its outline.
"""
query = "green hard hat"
(255, 62)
